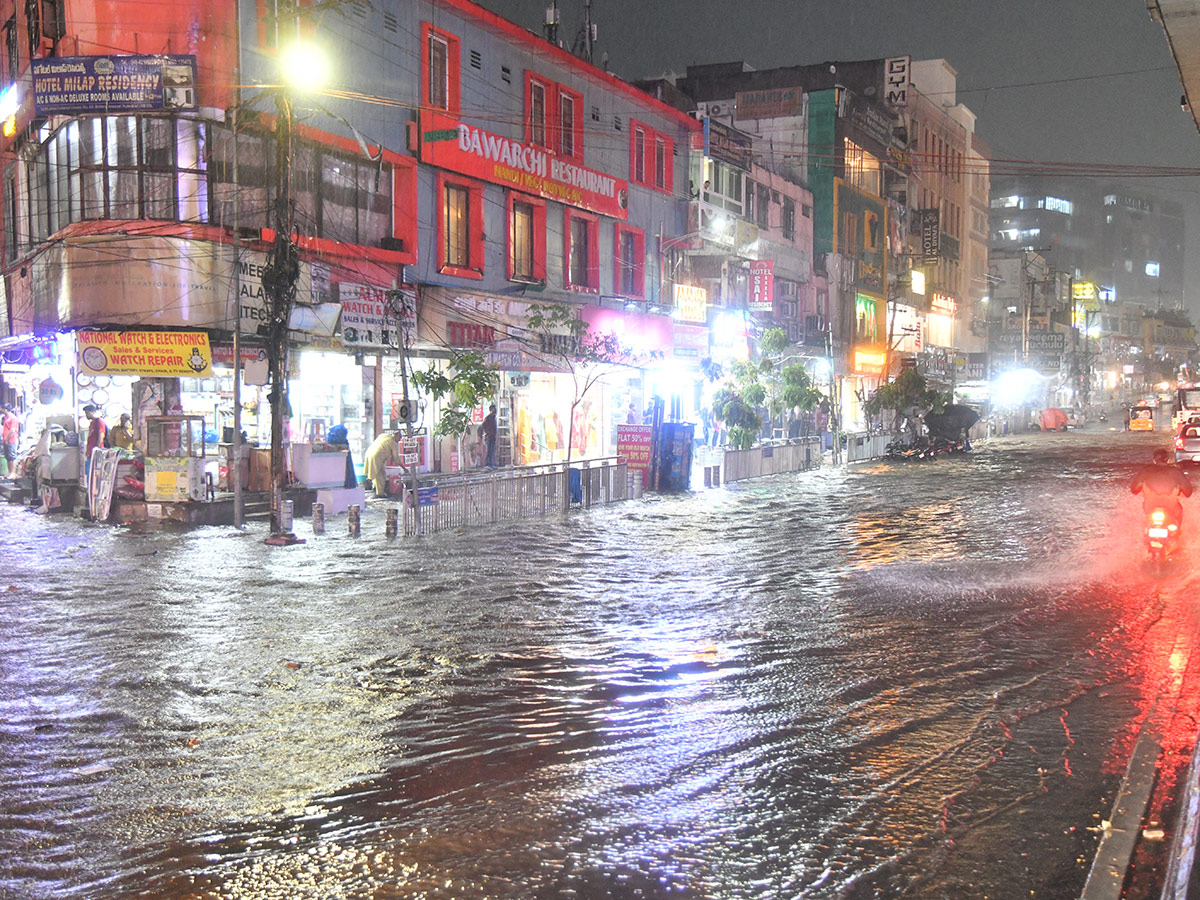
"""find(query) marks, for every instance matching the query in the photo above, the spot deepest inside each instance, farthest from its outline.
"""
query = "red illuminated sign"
(762, 285)
(523, 167)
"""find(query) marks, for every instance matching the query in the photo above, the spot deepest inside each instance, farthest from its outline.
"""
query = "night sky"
(1085, 81)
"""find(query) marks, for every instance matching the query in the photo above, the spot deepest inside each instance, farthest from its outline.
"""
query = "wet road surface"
(910, 679)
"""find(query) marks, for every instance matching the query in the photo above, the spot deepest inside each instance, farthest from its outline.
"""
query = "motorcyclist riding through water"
(1161, 485)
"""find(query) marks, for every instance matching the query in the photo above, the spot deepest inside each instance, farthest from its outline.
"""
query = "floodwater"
(909, 679)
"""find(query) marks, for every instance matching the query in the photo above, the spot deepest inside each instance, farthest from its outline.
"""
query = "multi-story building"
(446, 195)
(1122, 249)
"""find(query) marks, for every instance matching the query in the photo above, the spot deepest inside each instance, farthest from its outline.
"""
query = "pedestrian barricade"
(464, 500)
(770, 458)
(862, 446)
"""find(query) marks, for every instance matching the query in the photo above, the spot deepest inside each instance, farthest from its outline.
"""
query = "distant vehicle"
(1187, 442)
(1075, 419)
(1141, 418)
(1053, 419)
(1187, 403)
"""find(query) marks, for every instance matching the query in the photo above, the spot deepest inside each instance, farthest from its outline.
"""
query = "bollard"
(285, 515)
(318, 524)
(392, 527)
(716, 476)
(708, 476)
(355, 525)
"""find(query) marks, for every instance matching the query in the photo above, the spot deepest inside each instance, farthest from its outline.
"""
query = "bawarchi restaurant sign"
(523, 167)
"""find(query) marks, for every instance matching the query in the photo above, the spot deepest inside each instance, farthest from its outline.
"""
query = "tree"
(766, 383)
(555, 331)
(468, 381)
(909, 396)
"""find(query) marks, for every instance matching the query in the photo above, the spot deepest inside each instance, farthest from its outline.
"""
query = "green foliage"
(469, 380)
(749, 386)
(908, 390)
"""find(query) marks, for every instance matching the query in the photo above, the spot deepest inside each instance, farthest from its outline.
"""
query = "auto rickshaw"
(1141, 418)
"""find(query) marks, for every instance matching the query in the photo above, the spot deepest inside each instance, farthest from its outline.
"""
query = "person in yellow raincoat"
(383, 452)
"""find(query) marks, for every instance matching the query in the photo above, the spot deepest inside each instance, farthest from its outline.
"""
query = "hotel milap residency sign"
(524, 167)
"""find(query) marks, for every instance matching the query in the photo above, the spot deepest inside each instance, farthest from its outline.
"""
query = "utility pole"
(397, 305)
(552, 22)
(280, 275)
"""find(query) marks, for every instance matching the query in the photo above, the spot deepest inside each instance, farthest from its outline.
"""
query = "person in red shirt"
(96, 431)
(10, 433)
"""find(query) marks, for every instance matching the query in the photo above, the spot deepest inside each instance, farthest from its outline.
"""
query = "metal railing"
(773, 458)
(860, 446)
(466, 500)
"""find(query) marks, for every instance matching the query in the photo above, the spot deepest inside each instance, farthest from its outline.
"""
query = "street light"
(301, 65)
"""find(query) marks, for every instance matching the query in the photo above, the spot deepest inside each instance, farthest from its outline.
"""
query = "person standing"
(488, 428)
(383, 452)
(96, 430)
(10, 433)
(120, 434)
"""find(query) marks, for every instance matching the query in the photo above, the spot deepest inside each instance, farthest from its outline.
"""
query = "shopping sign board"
(762, 285)
(370, 313)
(410, 451)
(113, 84)
(634, 442)
(480, 154)
(169, 354)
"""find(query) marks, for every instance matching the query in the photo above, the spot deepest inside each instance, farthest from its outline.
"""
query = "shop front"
(550, 401)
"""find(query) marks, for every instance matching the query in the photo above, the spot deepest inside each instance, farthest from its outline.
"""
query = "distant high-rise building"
(1125, 240)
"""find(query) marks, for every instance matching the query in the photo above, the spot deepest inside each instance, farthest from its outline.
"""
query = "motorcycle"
(1162, 534)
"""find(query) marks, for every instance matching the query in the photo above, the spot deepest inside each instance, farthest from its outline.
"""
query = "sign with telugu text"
(525, 167)
(635, 442)
(112, 84)
(168, 354)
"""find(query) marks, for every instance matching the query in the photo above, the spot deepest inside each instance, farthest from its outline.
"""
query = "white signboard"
(365, 320)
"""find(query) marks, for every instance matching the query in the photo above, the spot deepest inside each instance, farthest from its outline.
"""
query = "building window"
(526, 239)
(33, 26)
(789, 219)
(439, 84)
(639, 155)
(723, 186)
(537, 113)
(862, 169)
(582, 252)
(566, 123)
(456, 227)
(11, 49)
(552, 116)
(10, 216)
(460, 227)
(629, 277)
(764, 209)
(440, 75)
(650, 160)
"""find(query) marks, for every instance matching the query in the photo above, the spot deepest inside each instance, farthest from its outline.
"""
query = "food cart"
(175, 451)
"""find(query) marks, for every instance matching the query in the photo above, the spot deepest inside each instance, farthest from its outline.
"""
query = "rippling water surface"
(894, 680)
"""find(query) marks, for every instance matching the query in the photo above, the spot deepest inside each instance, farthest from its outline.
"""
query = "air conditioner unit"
(716, 109)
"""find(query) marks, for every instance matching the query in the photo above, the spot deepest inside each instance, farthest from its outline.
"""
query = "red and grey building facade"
(455, 157)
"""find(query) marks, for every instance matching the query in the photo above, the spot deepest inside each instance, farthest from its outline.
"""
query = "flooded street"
(916, 679)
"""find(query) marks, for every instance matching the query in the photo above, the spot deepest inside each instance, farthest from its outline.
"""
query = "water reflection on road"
(910, 677)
